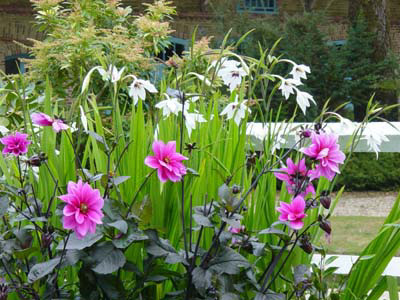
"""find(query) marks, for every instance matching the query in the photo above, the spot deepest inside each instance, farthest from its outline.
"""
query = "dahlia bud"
(47, 238)
(325, 201)
(172, 63)
(3, 291)
(235, 189)
(318, 127)
(305, 243)
(306, 133)
(37, 160)
(325, 225)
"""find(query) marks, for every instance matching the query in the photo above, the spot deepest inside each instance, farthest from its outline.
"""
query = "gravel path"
(377, 204)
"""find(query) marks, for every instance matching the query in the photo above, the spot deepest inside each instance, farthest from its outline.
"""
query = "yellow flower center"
(84, 208)
(166, 160)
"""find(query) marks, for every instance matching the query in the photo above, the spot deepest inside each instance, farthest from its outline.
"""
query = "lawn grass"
(350, 234)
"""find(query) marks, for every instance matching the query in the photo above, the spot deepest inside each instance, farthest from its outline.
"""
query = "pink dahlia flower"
(294, 175)
(236, 230)
(42, 119)
(83, 210)
(293, 212)
(16, 144)
(167, 161)
(325, 148)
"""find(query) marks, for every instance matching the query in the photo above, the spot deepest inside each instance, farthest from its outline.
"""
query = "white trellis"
(288, 131)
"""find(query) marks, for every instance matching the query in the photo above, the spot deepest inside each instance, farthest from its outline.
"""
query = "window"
(337, 43)
(257, 6)
(13, 64)
(177, 46)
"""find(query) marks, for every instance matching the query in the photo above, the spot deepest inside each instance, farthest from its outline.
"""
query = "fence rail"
(288, 131)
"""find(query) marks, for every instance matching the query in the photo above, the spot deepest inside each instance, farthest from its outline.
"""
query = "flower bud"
(3, 291)
(37, 160)
(235, 189)
(47, 238)
(325, 201)
(305, 243)
(306, 133)
(325, 225)
(172, 63)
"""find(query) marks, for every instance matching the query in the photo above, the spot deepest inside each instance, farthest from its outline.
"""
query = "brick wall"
(16, 20)
(15, 28)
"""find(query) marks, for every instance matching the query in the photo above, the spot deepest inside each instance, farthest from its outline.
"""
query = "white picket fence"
(258, 131)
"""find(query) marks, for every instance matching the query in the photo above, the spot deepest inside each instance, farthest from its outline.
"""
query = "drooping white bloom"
(303, 100)
(112, 74)
(288, 86)
(224, 63)
(201, 78)
(83, 119)
(300, 71)
(374, 138)
(232, 76)
(169, 106)
(236, 110)
(138, 88)
(278, 141)
(191, 119)
(3, 130)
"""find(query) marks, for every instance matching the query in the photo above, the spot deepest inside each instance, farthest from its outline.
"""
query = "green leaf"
(109, 258)
(129, 238)
(112, 286)
(269, 295)
(201, 279)
(3, 206)
(228, 261)
(230, 296)
(121, 225)
(331, 259)
(75, 243)
(202, 220)
(301, 273)
(120, 179)
(273, 231)
(42, 269)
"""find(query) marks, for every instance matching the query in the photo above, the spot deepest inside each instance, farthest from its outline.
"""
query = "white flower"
(230, 71)
(201, 78)
(279, 141)
(287, 86)
(191, 119)
(3, 130)
(169, 106)
(112, 74)
(224, 63)
(232, 76)
(374, 138)
(300, 71)
(303, 100)
(83, 119)
(138, 88)
(236, 110)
